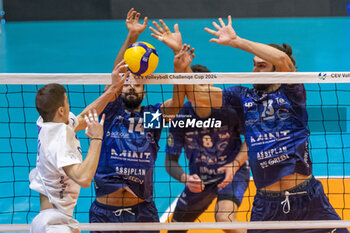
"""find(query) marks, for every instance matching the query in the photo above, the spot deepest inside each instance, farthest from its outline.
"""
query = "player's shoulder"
(113, 107)
(73, 121)
(152, 107)
(235, 90)
(295, 92)
(51, 138)
(187, 108)
(293, 87)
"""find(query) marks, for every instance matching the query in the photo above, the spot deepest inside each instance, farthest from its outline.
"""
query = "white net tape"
(180, 78)
(325, 224)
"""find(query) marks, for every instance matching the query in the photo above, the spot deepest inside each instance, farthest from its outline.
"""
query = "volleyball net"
(328, 95)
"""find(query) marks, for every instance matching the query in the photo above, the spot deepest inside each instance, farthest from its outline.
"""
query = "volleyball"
(141, 58)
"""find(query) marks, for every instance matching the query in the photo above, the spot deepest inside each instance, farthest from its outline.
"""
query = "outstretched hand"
(225, 34)
(183, 59)
(117, 78)
(94, 129)
(132, 22)
(172, 39)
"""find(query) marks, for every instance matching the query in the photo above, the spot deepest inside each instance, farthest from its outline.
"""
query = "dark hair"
(48, 99)
(200, 69)
(286, 49)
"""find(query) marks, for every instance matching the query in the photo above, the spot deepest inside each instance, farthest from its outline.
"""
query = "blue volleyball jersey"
(275, 131)
(128, 151)
(207, 147)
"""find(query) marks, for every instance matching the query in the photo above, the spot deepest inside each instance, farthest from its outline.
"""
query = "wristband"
(96, 139)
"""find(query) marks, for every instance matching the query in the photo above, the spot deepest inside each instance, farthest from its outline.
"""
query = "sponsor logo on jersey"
(139, 156)
(249, 104)
(130, 171)
(271, 152)
(269, 137)
(117, 134)
(274, 161)
(63, 187)
(73, 122)
(170, 140)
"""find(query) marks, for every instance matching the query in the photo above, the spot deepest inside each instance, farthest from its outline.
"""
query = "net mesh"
(328, 108)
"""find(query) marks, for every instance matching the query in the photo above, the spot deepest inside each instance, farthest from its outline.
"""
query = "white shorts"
(53, 221)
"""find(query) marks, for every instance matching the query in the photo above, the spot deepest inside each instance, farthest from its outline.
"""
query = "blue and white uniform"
(127, 158)
(277, 137)
(209, 143)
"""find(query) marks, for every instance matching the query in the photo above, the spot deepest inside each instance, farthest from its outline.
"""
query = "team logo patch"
(170, 140)
(151, 120)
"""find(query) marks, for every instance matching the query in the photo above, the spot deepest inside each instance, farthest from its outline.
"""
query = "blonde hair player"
(60, 170)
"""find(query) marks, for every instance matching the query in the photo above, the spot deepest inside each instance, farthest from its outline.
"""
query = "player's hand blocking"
(172, 39)
(225, 34)
(193, 182)
(94, 129)
(183, 59)
(117, 79)
(132, 23)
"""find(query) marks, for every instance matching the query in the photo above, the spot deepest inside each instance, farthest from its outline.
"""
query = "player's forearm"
(130, 39)
(272, 55)
(186, 69)
(204, 95)
(99, 104)
(173, 168)
(172, 106)
(89, 165)
(83, 173)
(241, 157)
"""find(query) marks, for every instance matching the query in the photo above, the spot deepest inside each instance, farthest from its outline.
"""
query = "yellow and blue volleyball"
(141, 58)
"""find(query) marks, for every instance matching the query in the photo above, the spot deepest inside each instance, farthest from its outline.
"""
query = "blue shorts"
(143, 212)
(191, 205)
(310, 203)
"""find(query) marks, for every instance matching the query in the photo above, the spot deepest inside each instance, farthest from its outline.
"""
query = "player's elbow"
(84, 182)
(284, 63)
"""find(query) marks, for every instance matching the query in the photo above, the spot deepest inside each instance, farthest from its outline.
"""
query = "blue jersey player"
(210, 149)
(277, 137)
(124, 177)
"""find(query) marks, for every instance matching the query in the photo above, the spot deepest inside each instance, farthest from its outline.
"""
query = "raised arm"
(134, 30)
(172, 39)
(108, 96)
(226, 35)
(182, 61)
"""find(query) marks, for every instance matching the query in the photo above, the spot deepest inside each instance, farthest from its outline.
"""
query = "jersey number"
(136, 128)
(207, 142)
(268, 108)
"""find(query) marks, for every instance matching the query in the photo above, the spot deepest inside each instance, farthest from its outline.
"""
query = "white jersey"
(58, 146)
